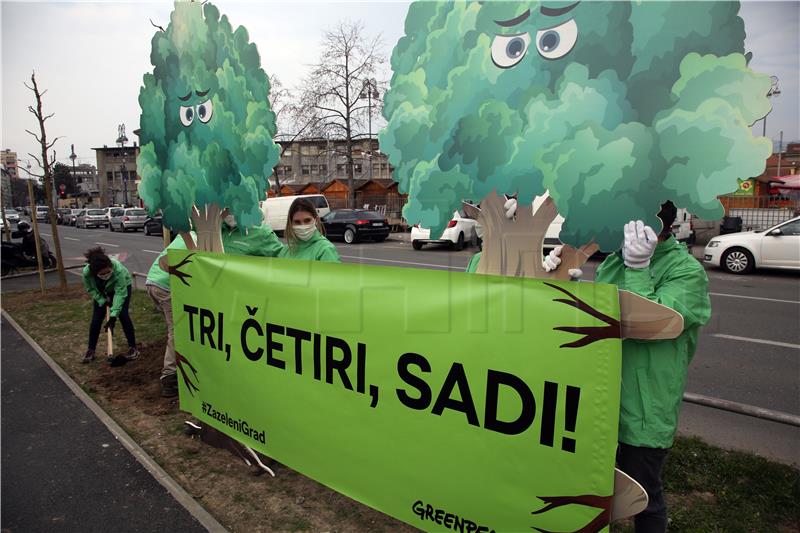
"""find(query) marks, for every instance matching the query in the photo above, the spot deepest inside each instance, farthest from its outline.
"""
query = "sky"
(91, 57)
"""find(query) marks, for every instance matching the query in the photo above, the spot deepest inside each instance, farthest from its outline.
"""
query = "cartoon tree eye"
(555, 43)
(187, 115)
(204, 111)
(508, 50)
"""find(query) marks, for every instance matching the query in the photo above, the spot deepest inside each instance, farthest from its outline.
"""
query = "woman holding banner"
(305, 235)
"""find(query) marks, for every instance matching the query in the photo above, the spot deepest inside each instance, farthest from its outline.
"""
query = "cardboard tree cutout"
(206, 125)
(611, 108)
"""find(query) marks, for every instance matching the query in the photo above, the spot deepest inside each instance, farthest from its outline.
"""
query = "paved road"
(62, 469)
(750, 352)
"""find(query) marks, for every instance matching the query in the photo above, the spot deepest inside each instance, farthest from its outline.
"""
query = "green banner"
(450, 401)
(746, 187)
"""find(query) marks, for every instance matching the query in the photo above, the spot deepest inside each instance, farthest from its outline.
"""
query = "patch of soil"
(137, 382)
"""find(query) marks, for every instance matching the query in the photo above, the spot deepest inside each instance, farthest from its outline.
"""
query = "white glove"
(511, 208)
(639, 245)
(552, 261)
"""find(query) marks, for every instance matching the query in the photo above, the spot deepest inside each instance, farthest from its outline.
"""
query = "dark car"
(352, 225)
(152, 226)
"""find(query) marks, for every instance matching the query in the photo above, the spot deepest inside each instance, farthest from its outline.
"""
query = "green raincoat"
(472, 267)
(119, 282)
(654, 372)
(259, 240)
(317, 248)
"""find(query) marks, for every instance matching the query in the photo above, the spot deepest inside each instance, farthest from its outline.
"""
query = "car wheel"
(459, 244)
(146, 230)
(349, 236)
(110, 227)
(738, 261)
(416, 245)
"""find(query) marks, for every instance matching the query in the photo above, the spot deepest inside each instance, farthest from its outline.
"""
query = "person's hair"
(667, 214)
(97, 260)
(301, 204)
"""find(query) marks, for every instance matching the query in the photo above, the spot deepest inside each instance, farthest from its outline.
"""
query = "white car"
(12, 216)
(459, 230)
(740, 253)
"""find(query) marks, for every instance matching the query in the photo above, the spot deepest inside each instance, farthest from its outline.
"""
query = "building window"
(357, 168)
(323, 169)
(340, 169)
(376, 168)
(383, 166)
(109, 176)
(314, 169)
(288, 169)
(306, 170)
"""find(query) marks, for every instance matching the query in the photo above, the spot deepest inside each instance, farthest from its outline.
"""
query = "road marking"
(71, 239)
(754, 298)
(153, 251)
(402, 262)
(757, 341)
(108, 244)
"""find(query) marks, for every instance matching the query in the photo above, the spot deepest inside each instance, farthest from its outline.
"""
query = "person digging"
(108, 283)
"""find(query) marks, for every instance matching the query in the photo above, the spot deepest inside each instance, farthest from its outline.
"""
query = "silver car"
(95, 218)
(132, 218)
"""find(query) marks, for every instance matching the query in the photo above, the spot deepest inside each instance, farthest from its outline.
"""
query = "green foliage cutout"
(206, 124)
(611, 107)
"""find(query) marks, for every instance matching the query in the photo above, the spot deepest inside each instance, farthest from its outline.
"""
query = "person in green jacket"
(660, 269)
(259, 241)
(108, 282)
(305, 235)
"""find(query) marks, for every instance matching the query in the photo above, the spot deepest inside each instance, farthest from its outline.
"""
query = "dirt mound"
(136, 382)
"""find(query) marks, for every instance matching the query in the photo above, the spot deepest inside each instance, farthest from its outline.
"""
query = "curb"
(179, 493)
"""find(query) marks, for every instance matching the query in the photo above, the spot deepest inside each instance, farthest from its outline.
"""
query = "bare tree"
(46, 164)
(330, 98)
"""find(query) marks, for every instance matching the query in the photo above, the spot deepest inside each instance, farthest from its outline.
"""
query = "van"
(682, 227)
(276, 210)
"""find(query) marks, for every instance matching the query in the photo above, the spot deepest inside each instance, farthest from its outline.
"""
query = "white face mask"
(479, 231)
(230, 221)
(304, 231)
(105, 277)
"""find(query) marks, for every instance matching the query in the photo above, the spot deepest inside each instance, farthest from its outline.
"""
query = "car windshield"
(136, 212)
(41, 209)
(96, 212)
(369, 215)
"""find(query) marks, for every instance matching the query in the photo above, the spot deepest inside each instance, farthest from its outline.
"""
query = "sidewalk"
(63, 470)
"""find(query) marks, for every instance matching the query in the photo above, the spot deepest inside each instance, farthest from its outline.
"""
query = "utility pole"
(780, 153)
(121, 140)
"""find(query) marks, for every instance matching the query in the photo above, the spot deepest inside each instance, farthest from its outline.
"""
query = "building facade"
(117, 179)
(324, 160)
(8, 160)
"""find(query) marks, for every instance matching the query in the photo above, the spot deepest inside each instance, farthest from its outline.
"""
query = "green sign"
(746, 188)
(450, 401)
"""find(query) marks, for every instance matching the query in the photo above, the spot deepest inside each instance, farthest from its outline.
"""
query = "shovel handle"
(110, 339)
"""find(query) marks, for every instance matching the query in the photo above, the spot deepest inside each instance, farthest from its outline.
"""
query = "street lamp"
(774, 90)
(369, 91)
(121, 140)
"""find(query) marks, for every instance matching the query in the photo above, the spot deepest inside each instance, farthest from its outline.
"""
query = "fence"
(761, 212)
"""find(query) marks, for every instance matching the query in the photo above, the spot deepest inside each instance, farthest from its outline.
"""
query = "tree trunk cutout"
(207, 222)
(514, 247)
(590, 334)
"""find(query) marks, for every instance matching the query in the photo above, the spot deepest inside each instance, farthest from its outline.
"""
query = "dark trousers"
(99, 315)
(644, 465)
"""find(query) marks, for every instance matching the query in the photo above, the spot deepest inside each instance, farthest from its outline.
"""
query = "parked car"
(741, 253)
(353, 225)
(276, 210)
(113, 212)
(42, 213)
(131, 218)
(459, 230)
(154, 226)
(62, 215)
(12, 216)
(72, 217)
(93, 217)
